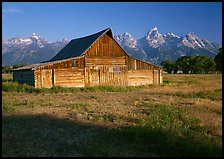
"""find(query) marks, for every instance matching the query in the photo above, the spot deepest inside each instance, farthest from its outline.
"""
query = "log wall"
(140, 77)
(106, 75)
(71, 77)
(66, 73)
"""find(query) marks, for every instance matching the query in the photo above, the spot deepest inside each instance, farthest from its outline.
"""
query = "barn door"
(156, 76)
(46, 78)
(92, 76)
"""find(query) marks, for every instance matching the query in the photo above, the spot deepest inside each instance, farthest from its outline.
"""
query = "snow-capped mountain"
(129, 43)
(155, 47)
(191, 40)
(15, 43)
(126, 40)
(32, 49)
(153, 38)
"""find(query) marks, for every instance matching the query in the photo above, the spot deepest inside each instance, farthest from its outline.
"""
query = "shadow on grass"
(44, 135)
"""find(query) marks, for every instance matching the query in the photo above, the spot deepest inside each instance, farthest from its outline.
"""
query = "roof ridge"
(105, 30)
(82, 44)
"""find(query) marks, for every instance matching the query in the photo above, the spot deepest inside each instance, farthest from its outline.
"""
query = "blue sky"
(57, 20)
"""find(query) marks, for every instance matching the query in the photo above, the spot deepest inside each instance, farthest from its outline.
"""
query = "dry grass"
(155, 109)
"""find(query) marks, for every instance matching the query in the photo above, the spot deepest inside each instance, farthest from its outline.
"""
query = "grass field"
(182, 117)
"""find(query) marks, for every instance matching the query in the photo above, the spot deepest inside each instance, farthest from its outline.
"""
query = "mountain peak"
(34, 36)
(65, 40)
(171, 35)
(191, 34)
(127, 34)
(193, 41)
(126, 40)
(154, 38)
(154, 28)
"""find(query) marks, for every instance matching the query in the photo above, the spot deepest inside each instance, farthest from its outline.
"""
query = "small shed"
(93, 60)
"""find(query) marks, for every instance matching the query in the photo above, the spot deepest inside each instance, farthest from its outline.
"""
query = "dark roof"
(77, 47)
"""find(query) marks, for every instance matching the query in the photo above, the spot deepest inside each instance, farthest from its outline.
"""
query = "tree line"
(8, 68)
(194, 64)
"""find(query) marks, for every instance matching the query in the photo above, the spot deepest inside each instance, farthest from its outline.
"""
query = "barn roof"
(78, 47)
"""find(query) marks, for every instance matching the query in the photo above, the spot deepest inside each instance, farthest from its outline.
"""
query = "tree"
(198, 64)
(209, 65)
(6, 69)
(183, 64)
(19, 65)
(168, 65)
(203, 64)
(192, 64)
(218, 60)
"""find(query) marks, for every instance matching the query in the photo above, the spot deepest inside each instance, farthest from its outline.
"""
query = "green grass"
(179, 79)
(78, 105)
(6, 77)
(216, 94)
(147, 141)
(101, 127)
(9, 86)
(165, 132)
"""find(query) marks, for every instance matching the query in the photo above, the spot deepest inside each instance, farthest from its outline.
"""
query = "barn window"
(111, 69)
(117, 69)
(74, 63)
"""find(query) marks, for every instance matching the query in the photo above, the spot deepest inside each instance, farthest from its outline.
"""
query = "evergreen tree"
(218, 60)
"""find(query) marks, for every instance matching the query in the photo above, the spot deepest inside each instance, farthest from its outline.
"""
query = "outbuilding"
(93, 60)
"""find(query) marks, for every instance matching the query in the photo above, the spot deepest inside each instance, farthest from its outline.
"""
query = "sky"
(57, 20)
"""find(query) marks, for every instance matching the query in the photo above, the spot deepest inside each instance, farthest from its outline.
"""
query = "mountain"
(155, 47)
(128, 42)
(33, 49)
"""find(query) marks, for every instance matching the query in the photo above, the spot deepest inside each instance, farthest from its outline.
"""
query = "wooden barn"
(90, 61)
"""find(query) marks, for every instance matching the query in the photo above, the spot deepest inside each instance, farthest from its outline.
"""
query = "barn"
(93, 60)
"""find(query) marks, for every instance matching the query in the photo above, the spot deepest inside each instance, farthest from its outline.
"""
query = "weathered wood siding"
(157, 76)
(24, 77)
(70, 63)
(95, 61)
(161, 77)
(69, 77)
(105, 46)
(67, 73)
(43, 78)
(140, 77)
(105, 75)
(105, 63)
(142, 73)
(134, 64)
